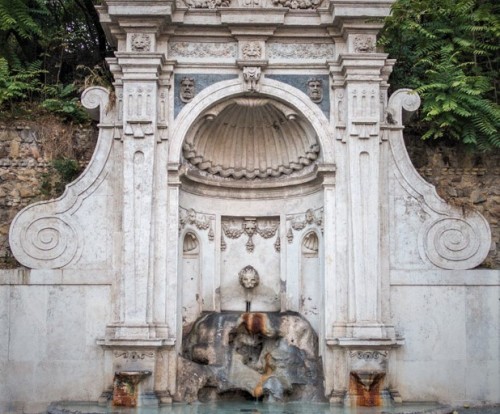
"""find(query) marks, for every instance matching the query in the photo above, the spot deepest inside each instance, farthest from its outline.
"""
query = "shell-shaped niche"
(248, 138)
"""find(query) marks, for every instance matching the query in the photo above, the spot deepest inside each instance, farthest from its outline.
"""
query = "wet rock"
(263, 355)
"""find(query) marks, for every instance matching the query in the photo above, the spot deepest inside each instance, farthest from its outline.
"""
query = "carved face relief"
(250, 227)
(140, 42)
(364, 44)
(249, 278)
(315, 90)
(252, 50)
(187, 89)
(191, 216)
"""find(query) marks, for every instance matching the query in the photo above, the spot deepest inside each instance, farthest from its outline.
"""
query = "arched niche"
(222, 92)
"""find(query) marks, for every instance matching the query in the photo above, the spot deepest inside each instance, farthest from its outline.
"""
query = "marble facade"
(248, 133)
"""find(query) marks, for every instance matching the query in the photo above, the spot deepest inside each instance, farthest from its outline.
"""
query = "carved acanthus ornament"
(301, 50)
(134, 355)
(266, 228)
(207, 4)
(299, 222)
(369, 355)
(202, 50)
(198, 220)
(297, 4)
(291, 4)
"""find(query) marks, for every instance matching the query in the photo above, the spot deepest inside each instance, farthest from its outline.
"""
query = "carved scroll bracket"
(251, 77)
(401, 100)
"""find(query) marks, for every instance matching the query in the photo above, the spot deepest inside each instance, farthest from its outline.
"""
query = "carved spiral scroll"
(454, 243)
(95, 99)
(49, 242)
(402, 99)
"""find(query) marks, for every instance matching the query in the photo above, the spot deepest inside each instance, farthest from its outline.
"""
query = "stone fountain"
(250, 226)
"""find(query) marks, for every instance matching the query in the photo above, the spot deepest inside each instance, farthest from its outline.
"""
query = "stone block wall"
(27, 149)
(463, 178)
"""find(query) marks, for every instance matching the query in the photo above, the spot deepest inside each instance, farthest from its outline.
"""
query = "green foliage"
(61, 172)
(61, 100)
(18, 85)
(449, 52)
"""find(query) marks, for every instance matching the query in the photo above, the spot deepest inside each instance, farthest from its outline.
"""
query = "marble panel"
(97, 247)
(28, 327)
(432, 321)
(4, 324)
(69, 380)
(98, 313)
(482, 323)
(482, 381)
(20, 380)
(66, 316)
(442, 381)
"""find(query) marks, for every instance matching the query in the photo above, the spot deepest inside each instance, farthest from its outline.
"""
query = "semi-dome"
(251, 138)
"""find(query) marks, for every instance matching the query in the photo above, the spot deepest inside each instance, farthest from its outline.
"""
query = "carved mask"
(187, 89)
(315, 90)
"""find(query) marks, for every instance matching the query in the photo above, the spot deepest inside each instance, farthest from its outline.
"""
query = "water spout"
(126, 387)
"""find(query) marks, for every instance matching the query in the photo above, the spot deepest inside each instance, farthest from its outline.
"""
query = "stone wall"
(28, 148)
(463, 178)
(27, 175)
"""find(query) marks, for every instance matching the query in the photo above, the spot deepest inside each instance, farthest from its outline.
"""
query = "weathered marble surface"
(139, 247)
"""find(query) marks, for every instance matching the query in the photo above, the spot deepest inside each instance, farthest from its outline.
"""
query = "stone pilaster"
(359, 82)
(138, 340)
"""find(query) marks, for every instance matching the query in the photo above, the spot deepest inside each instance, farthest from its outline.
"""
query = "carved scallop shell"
(310, 243)
(252, 138)
(190, 243)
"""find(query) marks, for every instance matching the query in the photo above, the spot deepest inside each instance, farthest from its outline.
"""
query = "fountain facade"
(250, 226)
